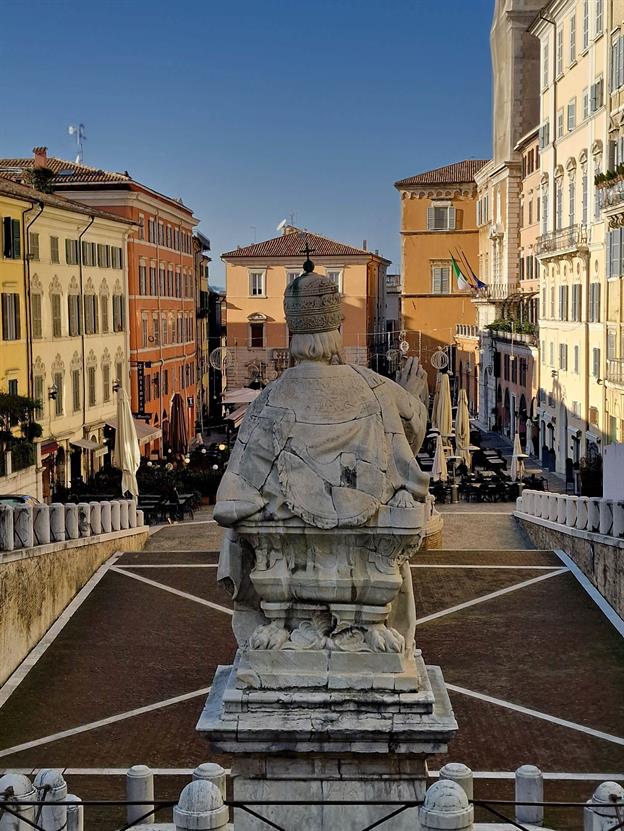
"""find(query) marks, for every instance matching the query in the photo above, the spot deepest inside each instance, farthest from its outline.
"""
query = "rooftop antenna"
(292, 219)
(80, 133)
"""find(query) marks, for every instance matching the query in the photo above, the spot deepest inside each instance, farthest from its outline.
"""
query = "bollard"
(593, 514)
(618, 519)
(57, 522)
(51, 787)
(20, 788)
(561, 509)
(571, 511)
(123, 514)
(75, 814)
(23, 526)
(446, 808)
(199, 807)
(457, 772)
(211, 772)
(606, 516)
(96, 518)
(71, 522)
(7, 533)
(41, 524)
(114, 506)
(84, 519)
(607, 805)
(140, 786)
(132, 513)
(140, 518)
(106, 516)
(529, 788)
(581, 513)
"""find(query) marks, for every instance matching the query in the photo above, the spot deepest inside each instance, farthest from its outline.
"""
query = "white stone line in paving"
(490, 596)
(454, 565)
(193, 565)
(185, 595)
(18, 675)
(93, 725)
(600, 601)
(527, 711)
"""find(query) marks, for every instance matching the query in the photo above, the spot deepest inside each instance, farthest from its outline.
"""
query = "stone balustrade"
(593, 515)
(28, 526)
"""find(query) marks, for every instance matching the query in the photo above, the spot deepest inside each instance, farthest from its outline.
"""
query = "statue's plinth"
(352, 737)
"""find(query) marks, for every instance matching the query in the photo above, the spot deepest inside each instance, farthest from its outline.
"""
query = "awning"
(88, 444)
(145, 432)
(49, 447)
(237, 416)
(241, 396)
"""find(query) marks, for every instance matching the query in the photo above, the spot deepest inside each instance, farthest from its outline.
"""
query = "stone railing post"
(57, 522)
(593, 514)
(41, 524)
(96, 518)
(561, 509)
(15, 786)
(571, 511)
(139, 787)
(529, 789)
(132, 513)
(105, 509)
(604, 808)
(140, 518)
(606, 516)
(51, 787)
(211, 772)
(553, 507)
(7, 532)
(618, 519)
(71, 522)
(200, 806)
(84, 519)
(75, 814)
(538, 502)
(23, 526)
(581, 513)
(446, 808)
(528, 502)
(123, 514)
(457, 772)
(114, 507)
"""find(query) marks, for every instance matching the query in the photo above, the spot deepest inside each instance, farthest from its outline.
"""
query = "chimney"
(365, 245)
(41, 156)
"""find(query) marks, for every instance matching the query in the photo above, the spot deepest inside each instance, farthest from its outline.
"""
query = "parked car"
(14, 500)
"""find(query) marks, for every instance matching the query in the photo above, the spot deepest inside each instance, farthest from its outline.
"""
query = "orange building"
(161, 285)
(256, 276)
(438, 219)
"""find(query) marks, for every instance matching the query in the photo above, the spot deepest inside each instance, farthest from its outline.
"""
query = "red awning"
(49, 447)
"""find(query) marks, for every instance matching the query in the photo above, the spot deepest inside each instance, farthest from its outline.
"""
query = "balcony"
(615, 372)
(498, 291)
(466, 330)
(570, 240)
(393, 282)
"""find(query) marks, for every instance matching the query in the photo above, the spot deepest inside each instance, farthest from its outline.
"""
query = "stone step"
(483, 531)
(488, 557)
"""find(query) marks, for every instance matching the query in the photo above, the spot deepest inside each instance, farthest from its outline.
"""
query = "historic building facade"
(256, 276)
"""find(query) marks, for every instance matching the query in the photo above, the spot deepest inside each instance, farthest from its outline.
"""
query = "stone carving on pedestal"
(325, 505)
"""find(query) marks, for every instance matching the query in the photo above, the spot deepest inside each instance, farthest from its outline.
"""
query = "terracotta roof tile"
(70, 172)
(291, 244)
(450, 174)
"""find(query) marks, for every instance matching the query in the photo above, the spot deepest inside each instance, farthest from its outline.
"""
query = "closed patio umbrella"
(178, 433)
(462, 428)
(126, 455)
(444, 409)
(517, 460)
(439, 470)
(436, 398)
(529, 449)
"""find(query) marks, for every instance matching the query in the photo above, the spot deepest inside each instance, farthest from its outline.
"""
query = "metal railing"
(615, 371)
(611, 196)
(572, 238)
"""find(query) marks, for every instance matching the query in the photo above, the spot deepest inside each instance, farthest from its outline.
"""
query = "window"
(572, 40)
(544, 134)
(563, 302)
(576, 360)
(141, 231)
(142, 279)
(611, 345)
(571, 115)
(585, 24)
(585, 196)
(118, 313)
(551, 351)
(594, 303)
(153, 290)
(256, 283)
(155, 328)
(545, 69)
(71, 251)
(563, 356)
(104, 307)
(559, 69)
(335, 275)
(615, 256)
(54, 250)
(151, 230)
(33, 245)
(57, 380)
(559, 123)
(163, 329)
(571, 201)
(38, 394)
(585, 103)
(103, 255)
(559, 205)
(91, 385)
(89, 253)
(576, 302)
(91, 314)
(441, 280)
(552, 302)
(597, 92)
(11, 329)
(116, 257)
(617, 63)
(161, 280)
(144, 334)
(596, 362)
(599, 20)
(256, 335)
(35, 306)
(531, 210)
(161, 233)
(440, 218)
(55, 302)
(11, 238)
(75, 382)
(291, 275)
(74, 315)
(106, 384)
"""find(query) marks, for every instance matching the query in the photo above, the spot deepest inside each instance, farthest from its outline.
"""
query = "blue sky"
(253, 109)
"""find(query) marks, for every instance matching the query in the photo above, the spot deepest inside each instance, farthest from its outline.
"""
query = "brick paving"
(545, 646)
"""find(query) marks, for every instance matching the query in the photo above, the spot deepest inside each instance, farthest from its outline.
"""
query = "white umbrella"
(517, 460)
(529, 449)
(462, 428)
(439, 470)
(444, 410)
(436, 398)
(126, 455)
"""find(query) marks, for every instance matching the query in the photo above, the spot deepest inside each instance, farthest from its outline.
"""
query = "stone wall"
(37, 584)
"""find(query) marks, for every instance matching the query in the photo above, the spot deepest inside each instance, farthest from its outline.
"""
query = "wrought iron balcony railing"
(570, 239)
(615, 372)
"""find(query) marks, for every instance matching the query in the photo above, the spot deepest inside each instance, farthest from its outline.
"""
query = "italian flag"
(462, 283)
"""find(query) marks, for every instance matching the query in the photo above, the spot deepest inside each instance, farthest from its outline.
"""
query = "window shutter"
(430, 219)
(5, 317)
(67, 252)
(36, 315)
(16, 238)
(451, 218)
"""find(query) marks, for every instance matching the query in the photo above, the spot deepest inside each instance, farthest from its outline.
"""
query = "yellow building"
(256, 276)
(13, 353)
(438, 220)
